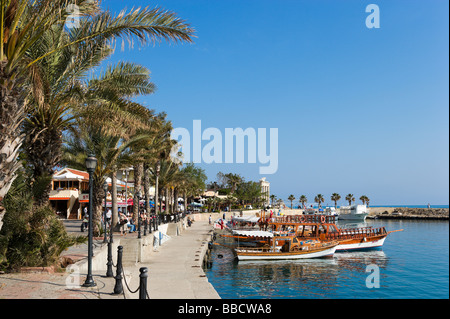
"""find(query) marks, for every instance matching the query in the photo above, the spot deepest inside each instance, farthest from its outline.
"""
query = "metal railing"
(150, 222)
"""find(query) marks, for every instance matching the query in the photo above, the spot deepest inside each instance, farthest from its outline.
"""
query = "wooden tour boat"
(316, 227)
(292, 248)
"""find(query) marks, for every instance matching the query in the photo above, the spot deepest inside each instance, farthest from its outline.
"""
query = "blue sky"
(358, 110)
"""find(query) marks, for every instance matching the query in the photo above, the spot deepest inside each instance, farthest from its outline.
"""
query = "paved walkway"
(174, 273)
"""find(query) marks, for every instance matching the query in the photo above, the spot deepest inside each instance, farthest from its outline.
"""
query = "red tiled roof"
(81, 173)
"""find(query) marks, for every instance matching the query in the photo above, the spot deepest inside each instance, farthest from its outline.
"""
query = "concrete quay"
(174, 268)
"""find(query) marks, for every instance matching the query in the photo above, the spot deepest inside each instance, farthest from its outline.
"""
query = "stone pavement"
(174, 270)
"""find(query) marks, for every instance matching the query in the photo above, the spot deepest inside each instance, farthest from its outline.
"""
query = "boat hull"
(361, 244)
(248, 255)
(354, 217)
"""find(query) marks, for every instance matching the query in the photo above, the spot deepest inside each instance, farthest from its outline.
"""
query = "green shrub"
(31, 236)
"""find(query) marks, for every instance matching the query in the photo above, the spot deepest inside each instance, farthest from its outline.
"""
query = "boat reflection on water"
(306, 278)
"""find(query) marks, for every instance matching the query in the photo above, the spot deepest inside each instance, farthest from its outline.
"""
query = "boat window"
(295, 240)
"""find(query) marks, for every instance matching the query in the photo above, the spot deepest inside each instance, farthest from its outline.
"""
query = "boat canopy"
(253, 233)
(248, 219)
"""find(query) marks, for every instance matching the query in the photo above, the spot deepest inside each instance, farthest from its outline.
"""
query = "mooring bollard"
(109, 271)
(143, 283)
(118, 288)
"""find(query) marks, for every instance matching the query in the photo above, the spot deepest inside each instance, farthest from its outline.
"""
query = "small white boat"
(355, 213)
(328, 211)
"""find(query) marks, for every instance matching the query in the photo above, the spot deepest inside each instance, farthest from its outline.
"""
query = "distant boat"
(355, 213)
(328, 211)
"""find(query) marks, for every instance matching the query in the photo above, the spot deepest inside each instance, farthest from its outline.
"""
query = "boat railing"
(304, 219)
(351, 233)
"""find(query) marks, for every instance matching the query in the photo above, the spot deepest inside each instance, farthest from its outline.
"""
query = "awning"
(68, 176)
(250, 219)
(123, 204)
(118, 182)
(253, 233)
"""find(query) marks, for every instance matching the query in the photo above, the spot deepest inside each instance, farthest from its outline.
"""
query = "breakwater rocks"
(409, 213)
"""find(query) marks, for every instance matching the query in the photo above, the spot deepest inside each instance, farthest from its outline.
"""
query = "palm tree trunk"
(115, 211)
(11, 115)
(175, 200)
(138, 170)
(97, 199)
(147, 187)
(156, 199)
(166, 199)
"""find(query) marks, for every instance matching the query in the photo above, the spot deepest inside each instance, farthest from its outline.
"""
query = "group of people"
(127, 223)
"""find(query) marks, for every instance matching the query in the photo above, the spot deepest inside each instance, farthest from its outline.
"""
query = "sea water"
(413, 264)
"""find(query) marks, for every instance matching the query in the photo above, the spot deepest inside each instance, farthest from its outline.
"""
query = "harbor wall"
(409, 213)
(378, 212)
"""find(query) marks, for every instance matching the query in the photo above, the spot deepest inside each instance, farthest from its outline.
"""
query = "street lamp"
(91, 164)
(105, 189)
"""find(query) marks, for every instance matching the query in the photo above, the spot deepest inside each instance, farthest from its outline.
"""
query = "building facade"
(265, 190)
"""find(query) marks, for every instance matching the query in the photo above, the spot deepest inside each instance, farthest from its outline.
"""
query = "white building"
(265, 190)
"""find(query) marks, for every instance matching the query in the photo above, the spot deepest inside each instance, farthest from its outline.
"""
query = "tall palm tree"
(23, 23)
(272, 199)
(110, 151)
(335, 197)
(365, 200)
(291, 198)
(350, 198)
(192, 182)
(303, 200)
(319, 199)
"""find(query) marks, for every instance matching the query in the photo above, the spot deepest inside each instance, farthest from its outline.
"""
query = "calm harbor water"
(413, 264)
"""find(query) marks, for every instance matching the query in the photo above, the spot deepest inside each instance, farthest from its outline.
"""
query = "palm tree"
(291, 198)
(23, 23)
(303, 200)
(110, 151)
(272, 198)
(335, 197)
(365, 200)
(230, 200)
(232, 180)
(319, 199)
(350, 198)
(44, 127)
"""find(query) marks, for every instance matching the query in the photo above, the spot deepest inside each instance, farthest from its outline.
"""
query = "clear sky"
(358, 110)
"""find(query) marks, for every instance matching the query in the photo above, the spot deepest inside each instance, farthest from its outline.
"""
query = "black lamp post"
(138, 195)
(105, 189)
(91, 164)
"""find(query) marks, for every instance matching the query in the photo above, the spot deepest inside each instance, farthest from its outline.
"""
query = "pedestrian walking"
(108, 217)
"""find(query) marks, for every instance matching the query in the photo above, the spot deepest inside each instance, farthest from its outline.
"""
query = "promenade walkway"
(174, 273)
